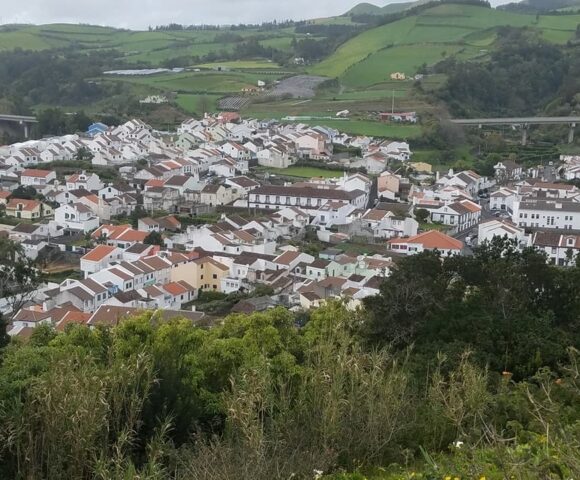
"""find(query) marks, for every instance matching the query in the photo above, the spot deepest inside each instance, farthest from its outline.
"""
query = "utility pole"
(393, 103)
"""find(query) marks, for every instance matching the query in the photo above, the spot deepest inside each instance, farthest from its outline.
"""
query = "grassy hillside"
(138, 47)
(451, 28)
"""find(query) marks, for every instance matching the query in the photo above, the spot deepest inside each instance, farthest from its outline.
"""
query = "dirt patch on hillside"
(299, 86)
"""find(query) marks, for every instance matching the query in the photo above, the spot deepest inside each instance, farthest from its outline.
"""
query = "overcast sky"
(142, 13)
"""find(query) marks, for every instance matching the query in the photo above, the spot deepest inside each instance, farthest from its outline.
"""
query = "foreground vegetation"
(465, 368)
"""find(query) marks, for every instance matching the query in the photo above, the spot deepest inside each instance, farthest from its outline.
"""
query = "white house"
(333, 212)
(242, 184)
(399, 151)
(236, 151)
(99, 258)
(503, 199)
(387, 224)
(76, 216)
(561, 249)
(274, 157)
(460, 215)
(551, 214)
(32, 177)
(224, 168)
(487, 231)
(307, 199)
(86, 181)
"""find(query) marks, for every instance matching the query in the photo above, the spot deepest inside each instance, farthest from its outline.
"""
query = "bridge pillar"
(524, 135)
(26, 132)
(571, 133)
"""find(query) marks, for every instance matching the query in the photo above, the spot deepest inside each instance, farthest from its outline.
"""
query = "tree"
(78, 122)
(25, 193)
(19, 278)
(83, 154)
(154, 238)
(52, 121)
(422, 215)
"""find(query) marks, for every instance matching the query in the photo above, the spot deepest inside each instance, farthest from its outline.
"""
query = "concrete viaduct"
(524, 123)
(11, 123)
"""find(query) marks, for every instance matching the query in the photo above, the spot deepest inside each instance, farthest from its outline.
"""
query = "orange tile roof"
(174, 288)
(26, 204)
(92, 198)
(79, 318)
(472, 207)
(431, 240)
(132, 236)
(287, 257)
(98, 253)
(155, 183)
(113, 230)
(33, 172)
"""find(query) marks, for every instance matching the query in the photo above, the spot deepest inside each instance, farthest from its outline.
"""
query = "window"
(214, 276)
(201, 277)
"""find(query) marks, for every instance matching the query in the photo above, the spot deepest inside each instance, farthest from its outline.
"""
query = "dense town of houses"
(208, 166)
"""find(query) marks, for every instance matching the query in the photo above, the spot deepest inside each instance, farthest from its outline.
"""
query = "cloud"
(140, 14)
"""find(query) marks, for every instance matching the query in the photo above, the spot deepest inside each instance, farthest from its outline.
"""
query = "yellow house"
(398, 76)
(27, 209)
(422, 167)
(203, 274)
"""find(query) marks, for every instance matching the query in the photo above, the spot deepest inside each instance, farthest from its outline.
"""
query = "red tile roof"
(431, 240)
(98, 253)
(32, 172)
(26, 204)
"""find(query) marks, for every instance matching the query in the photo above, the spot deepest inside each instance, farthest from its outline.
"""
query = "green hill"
(371, 9)
(365, 9)
(428, 37)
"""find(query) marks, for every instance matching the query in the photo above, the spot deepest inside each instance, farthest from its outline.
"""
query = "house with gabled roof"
(460, 215)
(204, 273)
(427, 241)
(27, 209)
(100, 258)
(499, 228)
(561, 248)
(122, 236)
(37, 178)
(215, 195)
(76, 217)
(84, 180)
(503, 199)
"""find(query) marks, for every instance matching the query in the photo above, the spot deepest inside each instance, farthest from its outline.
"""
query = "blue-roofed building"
(97, 128)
